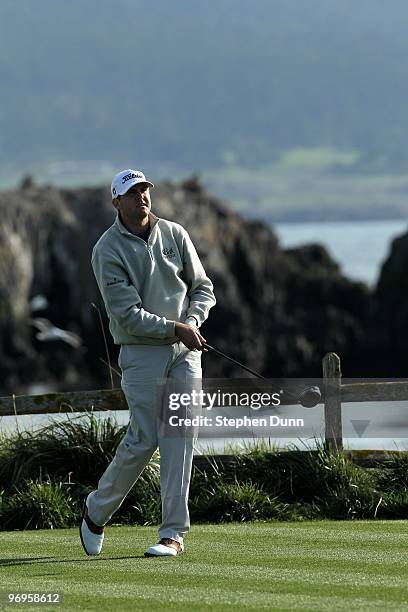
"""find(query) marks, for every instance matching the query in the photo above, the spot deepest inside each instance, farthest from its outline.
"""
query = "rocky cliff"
(390, 318)
(278, 311)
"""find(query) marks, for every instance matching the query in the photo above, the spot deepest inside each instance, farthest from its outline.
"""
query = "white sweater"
(147, 287)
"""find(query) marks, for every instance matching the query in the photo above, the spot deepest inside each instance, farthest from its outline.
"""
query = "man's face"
(135, 205)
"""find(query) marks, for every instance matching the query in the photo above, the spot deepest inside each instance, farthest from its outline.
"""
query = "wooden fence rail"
(334, 393)
(52, 403)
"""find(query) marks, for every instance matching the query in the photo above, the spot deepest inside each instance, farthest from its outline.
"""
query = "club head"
(310, 397)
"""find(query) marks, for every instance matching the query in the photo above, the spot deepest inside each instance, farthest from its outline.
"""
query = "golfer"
(157, 295)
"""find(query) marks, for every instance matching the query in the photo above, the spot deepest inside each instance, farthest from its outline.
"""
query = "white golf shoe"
(165, 548)
(92, 535)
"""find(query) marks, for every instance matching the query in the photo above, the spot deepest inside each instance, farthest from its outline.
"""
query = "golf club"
(309, 397)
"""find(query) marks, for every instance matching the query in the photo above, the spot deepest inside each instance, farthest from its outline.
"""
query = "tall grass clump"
(340, 488)
(250, 488)
(324, 482)
(393, 480)
(67, 456)
(77, 449)
(44, 476)
(235, 501)
(280, 473)
(394, 472)
(39, 505)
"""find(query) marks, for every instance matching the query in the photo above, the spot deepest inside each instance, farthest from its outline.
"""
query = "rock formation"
(278, 311)
(390, 321)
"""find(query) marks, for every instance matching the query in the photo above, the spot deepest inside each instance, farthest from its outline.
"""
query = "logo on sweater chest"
(115, 281)
(168, 253)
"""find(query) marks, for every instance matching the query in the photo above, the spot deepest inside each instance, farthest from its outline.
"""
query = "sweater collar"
(123, 230)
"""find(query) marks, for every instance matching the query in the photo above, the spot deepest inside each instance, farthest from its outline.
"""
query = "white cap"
(124, 180)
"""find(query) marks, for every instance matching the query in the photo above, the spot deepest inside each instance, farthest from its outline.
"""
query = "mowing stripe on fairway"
(275, 566)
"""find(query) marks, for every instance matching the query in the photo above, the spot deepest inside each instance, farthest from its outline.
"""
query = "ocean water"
(360, 247)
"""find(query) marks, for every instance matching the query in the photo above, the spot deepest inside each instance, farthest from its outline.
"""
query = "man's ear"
(115, 203)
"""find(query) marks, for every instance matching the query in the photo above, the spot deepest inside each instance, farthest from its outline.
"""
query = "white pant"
(143, 369)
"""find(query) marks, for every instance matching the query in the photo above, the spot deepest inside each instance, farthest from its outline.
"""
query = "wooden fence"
(334, 393)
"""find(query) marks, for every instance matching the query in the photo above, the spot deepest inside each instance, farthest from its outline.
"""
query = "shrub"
(339, 487)
(393, 505)
(322, 482)
(235, 501)
(279, 473)
(78, 450)
(44, 476)
(39, 506)
(394, 472)
(208, 477)
(74, 453)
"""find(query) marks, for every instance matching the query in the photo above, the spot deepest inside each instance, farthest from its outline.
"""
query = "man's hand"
(190, 336)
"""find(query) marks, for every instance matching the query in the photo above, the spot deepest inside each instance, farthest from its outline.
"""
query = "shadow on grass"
(36, 560)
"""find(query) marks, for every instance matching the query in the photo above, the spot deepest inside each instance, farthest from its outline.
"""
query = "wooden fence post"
(332, 401)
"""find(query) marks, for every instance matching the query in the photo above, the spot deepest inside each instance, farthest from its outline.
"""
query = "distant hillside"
(188, 85)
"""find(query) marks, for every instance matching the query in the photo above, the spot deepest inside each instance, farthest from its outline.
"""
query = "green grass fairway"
(277, 566)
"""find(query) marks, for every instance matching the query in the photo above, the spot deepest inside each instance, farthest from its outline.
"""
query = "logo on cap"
(128, 177)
